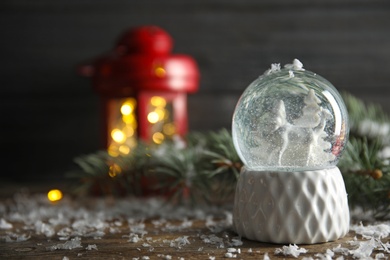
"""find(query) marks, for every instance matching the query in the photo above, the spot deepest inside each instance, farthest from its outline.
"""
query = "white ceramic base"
(304, 207)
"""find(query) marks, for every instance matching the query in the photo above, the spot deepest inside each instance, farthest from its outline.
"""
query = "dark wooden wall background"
(49, 114)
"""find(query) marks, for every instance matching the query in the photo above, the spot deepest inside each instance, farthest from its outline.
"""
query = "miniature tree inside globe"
(290, 127)
(290, 119)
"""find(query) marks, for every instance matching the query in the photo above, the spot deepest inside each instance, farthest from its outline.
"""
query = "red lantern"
(143, 89)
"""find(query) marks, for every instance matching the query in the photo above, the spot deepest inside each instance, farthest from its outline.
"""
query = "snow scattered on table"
(179, 242)
(4, 224)
(65, 224)
(266, 257)
(379, 231)
(13, 237)
(230, 255)
(92, 247)
(69, 245)
(292, 250)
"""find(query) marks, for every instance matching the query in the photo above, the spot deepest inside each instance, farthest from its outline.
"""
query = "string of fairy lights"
(123, 136)
(123, 129)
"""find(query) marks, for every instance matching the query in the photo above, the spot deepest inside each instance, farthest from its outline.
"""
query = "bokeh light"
(54, 195)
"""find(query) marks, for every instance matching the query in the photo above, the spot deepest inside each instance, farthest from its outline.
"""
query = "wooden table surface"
(112, 228)
(157, 245)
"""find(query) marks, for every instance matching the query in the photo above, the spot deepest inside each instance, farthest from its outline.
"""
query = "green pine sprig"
(204, 167)
(367, 176)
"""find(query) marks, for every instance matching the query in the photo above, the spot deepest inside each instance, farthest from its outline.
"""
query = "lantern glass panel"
(122, 126)
(161, 119)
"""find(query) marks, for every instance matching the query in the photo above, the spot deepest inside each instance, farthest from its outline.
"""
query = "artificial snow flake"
(377, 231)
(138, 228)
(385, 153)
(266, 257)
(230, 255)
(340, 250)
(72, 244)
(44, 228)
(146, 245)
(92, 247)
(327, 256)
(114, 230)
(236, 241)
(274, 68)
(179, 242)
(158, 222)
(12, 237)
(95, 234)
(221, 225)
(213, 239)
(231, 250)
(133, 238)
(364, 249)
(292, 250)
(4, 224)
(65, 232)
(296, 65)
(372, 128)
(185, 224)
(374, 234)
(60, 219)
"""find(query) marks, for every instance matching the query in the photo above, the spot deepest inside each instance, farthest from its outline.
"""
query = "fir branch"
(367, 119)
(204, 167)
(366, 176)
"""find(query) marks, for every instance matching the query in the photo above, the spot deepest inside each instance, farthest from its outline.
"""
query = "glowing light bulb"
(128, 119)
(128, 131)
(126, 109)
(114, 170)
(169, 129)
(160, 72)
(124, 149)
(160, 112)
(158, 137)
(153, 117)
(158, 101)
(113, 150)
(54, 195)
(118, 136)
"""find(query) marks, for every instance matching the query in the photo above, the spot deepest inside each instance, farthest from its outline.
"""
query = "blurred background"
(50, 114)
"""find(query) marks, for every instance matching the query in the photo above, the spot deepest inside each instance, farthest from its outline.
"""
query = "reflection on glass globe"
(290, 119)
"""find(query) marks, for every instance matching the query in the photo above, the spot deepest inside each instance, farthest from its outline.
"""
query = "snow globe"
(290, 127)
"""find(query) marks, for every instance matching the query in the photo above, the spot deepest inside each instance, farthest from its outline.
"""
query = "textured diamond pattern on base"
(291, 207)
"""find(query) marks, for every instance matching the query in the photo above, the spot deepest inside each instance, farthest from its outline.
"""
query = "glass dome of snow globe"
(290, 119)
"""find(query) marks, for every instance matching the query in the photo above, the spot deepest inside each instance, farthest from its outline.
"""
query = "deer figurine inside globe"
(290, 127)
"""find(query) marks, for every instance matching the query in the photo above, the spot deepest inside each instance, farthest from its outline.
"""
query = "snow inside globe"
(290, 119)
